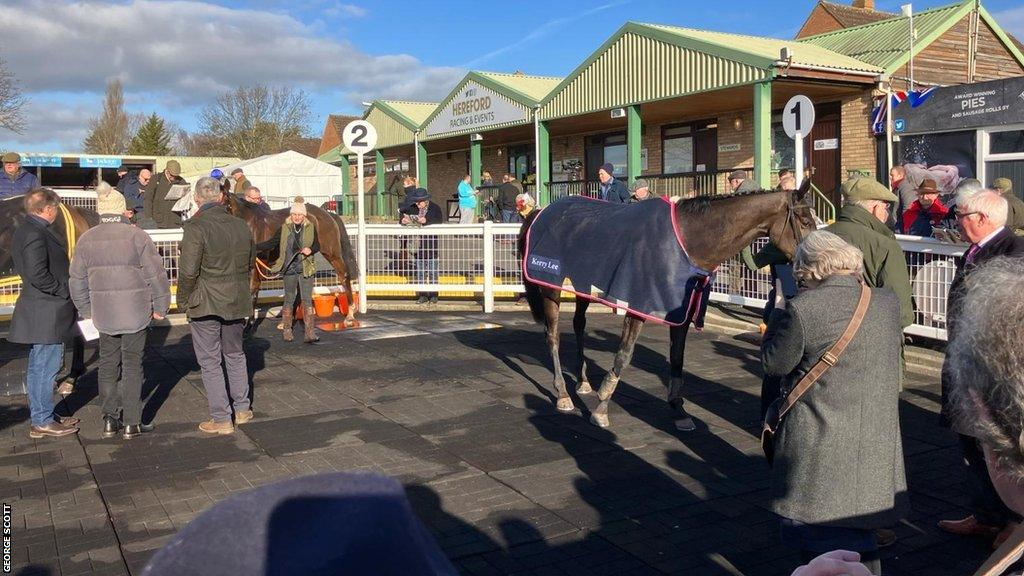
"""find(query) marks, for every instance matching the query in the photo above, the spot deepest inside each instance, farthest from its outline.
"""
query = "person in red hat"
(925, 212)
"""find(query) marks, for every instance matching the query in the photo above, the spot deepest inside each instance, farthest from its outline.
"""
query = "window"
(677, 149)
(1008, 142)
(606, 148)
(783, 147)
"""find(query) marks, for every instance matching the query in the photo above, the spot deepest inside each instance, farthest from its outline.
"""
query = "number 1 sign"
(797, 121)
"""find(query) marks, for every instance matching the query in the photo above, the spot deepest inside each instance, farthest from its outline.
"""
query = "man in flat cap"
(861, 222)
(159, 211)
(241, 182)
(641, 191)
(739, 182)
(1015, 207)
(15, 180)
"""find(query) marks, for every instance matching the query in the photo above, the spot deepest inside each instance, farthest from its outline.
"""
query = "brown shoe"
(968, 527)
(884, 537)
(212, 427)
(55, 429)
(67, 420)
(243, 416)
(1003, 535)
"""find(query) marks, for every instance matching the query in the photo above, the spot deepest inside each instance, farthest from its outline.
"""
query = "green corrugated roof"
(761, 51)
(333, 156)
(534, 87)
(414, 112)
(885, 44)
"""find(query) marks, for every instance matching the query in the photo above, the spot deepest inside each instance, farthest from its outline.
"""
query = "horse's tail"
(534, 296)
(348, 254)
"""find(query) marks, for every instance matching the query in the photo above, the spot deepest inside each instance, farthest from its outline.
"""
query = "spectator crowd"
(831, 353)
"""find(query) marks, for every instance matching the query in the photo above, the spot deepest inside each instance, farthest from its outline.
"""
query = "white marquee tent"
(281, 177)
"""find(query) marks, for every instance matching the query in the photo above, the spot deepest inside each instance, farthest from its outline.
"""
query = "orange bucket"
(343, 302)
(324, 305)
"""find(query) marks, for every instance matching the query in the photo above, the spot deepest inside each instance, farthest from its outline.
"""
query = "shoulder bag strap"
(831, 356)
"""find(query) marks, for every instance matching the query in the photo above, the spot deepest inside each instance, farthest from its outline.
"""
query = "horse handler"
(299, 244)
(118, 280)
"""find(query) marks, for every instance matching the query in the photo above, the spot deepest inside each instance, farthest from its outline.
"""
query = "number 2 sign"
(359, 136)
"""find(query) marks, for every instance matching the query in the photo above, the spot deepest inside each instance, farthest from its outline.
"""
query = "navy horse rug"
(627, 256)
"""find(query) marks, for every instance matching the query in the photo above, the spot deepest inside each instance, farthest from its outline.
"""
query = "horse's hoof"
(565, 405)
(685, 424)
(584, 388)
(599, 420)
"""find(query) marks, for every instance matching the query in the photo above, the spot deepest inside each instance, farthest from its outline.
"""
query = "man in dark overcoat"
(982, 218)
(44, 315)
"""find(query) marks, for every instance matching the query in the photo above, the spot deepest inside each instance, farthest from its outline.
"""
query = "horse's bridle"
(791, 209)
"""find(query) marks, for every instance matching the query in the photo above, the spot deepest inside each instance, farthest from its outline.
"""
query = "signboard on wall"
(995, 103)
(94, 162)
(475, 108)
(36, 160)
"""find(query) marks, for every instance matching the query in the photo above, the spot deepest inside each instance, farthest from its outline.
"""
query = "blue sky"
(174, 56)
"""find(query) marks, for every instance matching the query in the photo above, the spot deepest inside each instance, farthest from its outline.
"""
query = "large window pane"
(947, 148)
(616, 154)
(1009, 142)
(1012, 169)
(783, 149)
(678, 155)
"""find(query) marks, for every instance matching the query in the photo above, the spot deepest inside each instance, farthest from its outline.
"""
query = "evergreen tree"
(152, 139)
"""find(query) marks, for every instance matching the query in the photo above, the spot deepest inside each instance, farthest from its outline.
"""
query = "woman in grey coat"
(838, 471)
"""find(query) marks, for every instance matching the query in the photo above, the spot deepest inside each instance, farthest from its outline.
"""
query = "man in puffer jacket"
(118, 280)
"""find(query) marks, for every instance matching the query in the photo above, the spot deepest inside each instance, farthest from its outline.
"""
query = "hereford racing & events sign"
(475, 108)
(995, 103)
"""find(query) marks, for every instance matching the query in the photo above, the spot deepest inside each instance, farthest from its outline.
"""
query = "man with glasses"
(982, 219)
(254, 196)
(861, 222)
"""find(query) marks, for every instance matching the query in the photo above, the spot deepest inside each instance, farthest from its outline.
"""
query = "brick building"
(682, 107)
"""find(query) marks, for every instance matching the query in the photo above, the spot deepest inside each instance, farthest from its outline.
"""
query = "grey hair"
(966, 188)
(990, 203)
(823, 254)
(103, 188)
(207, 190)
(868, 204)
(986, 362)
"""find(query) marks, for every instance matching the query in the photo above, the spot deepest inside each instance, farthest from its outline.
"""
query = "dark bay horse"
(335, 244)
(715, 229)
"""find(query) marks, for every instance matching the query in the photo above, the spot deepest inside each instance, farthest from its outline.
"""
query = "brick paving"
(463, 416)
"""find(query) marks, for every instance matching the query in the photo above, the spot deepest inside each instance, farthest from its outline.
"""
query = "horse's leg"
(564, 402)
(631, 328)
(677, 337)
(579, 326)
(339, 268)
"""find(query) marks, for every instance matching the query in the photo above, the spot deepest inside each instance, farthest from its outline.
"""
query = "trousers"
(215, 341)
(120, 375)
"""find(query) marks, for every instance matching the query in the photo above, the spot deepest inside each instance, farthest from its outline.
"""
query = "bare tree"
(251, 121)
(112, 131)
(11, 101)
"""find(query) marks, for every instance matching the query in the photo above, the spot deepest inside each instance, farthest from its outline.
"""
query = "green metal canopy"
(397, 120)
(667, 62)
(885, 44)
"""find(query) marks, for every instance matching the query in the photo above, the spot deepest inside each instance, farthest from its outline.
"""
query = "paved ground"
(464, 417)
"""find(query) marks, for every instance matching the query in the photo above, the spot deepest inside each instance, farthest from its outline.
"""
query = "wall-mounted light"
(476, 137)
(618, 112)
(737, 123)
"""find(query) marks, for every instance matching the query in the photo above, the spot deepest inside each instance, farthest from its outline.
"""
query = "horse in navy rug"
(651, 259)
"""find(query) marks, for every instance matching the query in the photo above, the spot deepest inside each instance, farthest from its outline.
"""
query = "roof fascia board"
(1001, 34)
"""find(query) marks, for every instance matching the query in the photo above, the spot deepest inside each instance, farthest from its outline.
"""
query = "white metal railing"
(479, 261)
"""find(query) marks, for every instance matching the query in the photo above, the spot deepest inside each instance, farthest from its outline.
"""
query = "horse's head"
(790, 226)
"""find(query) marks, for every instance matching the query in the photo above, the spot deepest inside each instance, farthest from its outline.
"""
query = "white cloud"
(184, 53)
(52, 126)
(1012, 21)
